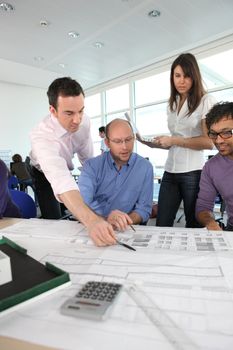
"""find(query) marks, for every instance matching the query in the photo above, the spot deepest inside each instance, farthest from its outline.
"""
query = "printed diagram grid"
(181, 241)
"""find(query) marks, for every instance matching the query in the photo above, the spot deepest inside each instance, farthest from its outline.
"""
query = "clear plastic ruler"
(173, 334)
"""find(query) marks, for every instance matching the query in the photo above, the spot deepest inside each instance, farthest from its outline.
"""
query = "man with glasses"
(118, 184)
(217, 174)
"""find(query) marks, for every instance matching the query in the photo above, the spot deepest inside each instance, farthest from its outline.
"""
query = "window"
(95, 125)
(224, 95)
(117, 99)
(93, 105)
(217, 69)
(93, 109)
(151, 89)
(110, 117)
(146, 100)
(152, 120)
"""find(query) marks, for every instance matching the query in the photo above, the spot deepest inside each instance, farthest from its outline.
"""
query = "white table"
(180, 292)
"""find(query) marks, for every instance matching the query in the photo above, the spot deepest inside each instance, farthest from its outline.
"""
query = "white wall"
(21, 108)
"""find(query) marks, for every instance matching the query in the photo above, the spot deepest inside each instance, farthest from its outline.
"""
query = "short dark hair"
(102, 129)
(63, 87)
(108, 126)
(218, 112)
(17, 158)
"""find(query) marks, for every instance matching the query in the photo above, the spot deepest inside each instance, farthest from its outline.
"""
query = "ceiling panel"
(131, 39)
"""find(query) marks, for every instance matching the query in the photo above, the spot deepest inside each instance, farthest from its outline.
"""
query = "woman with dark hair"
(187, 107)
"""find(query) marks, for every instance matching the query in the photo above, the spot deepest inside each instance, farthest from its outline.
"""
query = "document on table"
(41, 228)
(176, 238)
(181, 298)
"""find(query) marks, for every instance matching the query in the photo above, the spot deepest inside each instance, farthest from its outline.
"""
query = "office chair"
(13, 183)
(220, 220)
(25, 203)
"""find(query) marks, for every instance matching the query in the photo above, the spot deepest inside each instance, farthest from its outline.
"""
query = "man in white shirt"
(103, 146)
(55, 140)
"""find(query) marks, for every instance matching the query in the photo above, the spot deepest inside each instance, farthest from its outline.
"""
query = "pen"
(132, 228)
(125, 245)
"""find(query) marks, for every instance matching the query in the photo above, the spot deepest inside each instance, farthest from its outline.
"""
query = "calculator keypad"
(103, 291)
(93, 301)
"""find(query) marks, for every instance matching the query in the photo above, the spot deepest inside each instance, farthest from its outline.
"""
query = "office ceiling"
(34, 54)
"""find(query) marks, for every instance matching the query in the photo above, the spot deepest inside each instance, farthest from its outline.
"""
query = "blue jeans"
(175, 188)
(229, 227)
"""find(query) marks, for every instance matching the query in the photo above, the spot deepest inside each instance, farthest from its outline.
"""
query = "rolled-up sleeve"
(207, 192)
(144, 203)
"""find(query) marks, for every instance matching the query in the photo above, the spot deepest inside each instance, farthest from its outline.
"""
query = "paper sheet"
(135, 129)
(191, 287)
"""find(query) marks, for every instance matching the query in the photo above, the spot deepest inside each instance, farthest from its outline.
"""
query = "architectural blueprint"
(178, 239)
(178, 289)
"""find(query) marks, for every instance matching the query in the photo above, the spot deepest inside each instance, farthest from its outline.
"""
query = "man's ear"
(52, 110)
(106, 142)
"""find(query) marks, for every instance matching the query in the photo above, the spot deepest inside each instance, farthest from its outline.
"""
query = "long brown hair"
(190, 68)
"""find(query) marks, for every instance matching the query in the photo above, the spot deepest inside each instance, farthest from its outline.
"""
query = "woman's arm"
(151, 144)
(197, 142)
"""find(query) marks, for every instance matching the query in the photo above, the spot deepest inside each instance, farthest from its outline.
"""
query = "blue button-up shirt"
(105, 188)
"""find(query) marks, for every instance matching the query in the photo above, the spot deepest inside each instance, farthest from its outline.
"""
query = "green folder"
(30, 278)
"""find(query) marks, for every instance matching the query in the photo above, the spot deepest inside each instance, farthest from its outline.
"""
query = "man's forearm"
(135, 217)
(74, 202)
(206, 218)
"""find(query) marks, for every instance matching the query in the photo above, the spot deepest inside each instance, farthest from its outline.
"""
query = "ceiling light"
(98, 45)
(44, 23)
(73, 35)
(5, 6)
(62, 65)
(39, 58)
(154, 13)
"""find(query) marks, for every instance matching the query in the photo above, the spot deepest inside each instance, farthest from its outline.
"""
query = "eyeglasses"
(120, 141)
(223, 134)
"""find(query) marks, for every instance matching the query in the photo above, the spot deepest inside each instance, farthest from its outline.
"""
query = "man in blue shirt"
(118, 184)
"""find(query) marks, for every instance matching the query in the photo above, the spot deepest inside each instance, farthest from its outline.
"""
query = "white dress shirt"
(53, 149)
(180, 159)
(103, 146)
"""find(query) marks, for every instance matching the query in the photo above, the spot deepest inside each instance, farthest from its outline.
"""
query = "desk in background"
(8, 222)
(184, 278)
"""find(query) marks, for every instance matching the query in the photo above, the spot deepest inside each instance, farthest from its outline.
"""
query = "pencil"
(125, 245)
(132, 228)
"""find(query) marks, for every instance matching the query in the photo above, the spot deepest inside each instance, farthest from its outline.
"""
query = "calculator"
(93, 301)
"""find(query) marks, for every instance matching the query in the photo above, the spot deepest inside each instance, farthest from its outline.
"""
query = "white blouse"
(180, 159)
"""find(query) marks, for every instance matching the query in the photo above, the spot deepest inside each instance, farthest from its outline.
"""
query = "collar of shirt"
(184, 109)
(58, 128)
(112, 163)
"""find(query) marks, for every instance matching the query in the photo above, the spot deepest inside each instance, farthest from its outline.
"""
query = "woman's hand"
(138, 137)
(163, 141)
